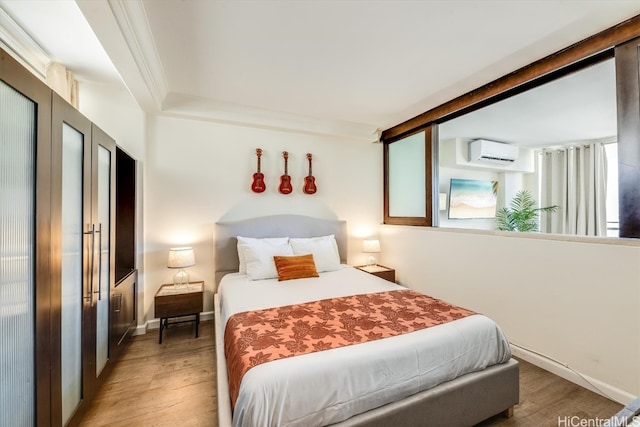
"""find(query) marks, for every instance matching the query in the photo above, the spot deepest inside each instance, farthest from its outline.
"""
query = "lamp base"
(371, 261)
(181, 278)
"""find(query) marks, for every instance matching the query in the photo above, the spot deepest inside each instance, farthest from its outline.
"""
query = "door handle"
(92, 234)
(99, 232)
(118, 303)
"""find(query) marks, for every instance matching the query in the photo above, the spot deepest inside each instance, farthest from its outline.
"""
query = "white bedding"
(330, 386)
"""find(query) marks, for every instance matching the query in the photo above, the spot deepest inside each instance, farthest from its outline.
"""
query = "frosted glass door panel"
(72, 285)
(407, 177)
(17, 279)
(104, 216)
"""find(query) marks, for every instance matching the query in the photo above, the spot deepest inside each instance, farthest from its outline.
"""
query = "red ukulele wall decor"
(309, 180)
(285, 180)
(258, 185)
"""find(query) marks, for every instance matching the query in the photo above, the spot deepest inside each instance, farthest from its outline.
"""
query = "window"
(552, 140)
(408, 180)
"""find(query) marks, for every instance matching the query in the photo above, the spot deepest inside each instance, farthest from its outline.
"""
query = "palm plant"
(522, 214)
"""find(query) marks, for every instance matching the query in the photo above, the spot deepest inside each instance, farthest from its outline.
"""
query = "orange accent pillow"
(295, 267)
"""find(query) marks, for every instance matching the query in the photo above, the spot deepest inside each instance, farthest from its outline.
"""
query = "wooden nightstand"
(380, 271)
(177, 301)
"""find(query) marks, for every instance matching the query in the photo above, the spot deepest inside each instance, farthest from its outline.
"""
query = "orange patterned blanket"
(255, 337)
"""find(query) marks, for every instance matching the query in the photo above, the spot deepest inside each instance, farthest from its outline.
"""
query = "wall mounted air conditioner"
(482, 150)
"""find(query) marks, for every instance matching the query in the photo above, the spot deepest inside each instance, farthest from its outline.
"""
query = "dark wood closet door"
(32, 247)
(103, 163)
(83, 189)
(57, 246)
(84, 237)
(73, 251)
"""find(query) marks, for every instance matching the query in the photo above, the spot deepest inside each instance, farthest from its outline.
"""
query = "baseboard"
(155, 323)
(563, 371)
(140, 329)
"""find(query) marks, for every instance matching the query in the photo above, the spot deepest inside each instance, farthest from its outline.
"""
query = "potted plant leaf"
(522, 215)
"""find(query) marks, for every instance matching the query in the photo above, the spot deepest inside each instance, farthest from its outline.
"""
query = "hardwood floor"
(174, 384)
(548, 400)
(168, 384)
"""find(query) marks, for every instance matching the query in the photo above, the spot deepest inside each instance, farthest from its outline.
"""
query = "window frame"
(425, 220)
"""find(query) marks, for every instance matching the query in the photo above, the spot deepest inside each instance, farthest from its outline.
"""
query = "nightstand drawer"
(389, 275)
(170, 302)
(381, 271)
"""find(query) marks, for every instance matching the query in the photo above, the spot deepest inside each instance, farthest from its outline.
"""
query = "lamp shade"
(371, 246)
(181, 258)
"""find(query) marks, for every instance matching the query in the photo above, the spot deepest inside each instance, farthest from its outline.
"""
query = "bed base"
(464, 401)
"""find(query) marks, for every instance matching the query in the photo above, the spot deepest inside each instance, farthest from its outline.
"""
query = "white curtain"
(575, 180)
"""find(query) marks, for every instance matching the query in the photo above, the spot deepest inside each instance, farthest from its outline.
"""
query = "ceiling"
(576, 108)
(344, 68)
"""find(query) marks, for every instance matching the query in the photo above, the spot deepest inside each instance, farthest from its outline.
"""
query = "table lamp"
(181, 258)
(371, 246)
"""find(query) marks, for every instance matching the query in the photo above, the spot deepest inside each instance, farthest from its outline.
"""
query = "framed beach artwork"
(472, 199)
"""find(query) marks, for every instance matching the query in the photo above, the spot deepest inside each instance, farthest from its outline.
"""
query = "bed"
(457, 390)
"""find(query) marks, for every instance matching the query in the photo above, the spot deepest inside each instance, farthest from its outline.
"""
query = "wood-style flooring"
(169, 384)
(174, 384)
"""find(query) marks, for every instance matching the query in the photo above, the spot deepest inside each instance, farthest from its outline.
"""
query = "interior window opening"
(554, 145)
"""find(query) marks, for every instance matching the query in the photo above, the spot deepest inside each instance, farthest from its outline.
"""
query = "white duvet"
(330, 386)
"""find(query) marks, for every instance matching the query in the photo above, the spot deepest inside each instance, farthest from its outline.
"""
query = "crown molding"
(198, 108)
(132, 20)
(22, 46)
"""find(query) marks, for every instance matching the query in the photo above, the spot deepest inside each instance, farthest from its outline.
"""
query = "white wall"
(116, 113)
(575, 301)
(199, 172)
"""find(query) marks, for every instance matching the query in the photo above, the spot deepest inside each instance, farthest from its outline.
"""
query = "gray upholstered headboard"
(225, 246)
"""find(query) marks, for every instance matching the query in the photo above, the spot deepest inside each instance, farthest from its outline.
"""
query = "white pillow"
(324, 250)
(259, 259)
(261, 243)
